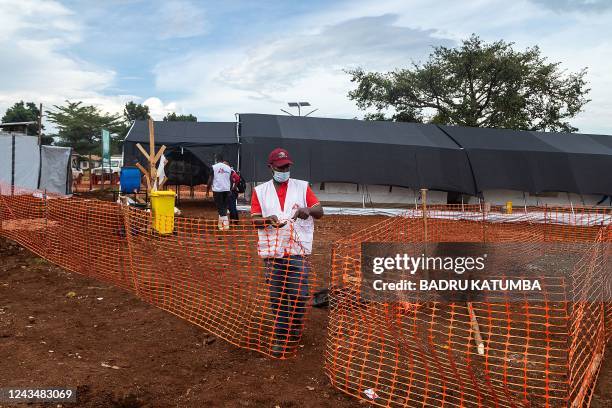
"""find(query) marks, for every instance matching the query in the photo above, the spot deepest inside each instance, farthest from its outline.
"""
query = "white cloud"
(37, 64)
(181, 19)
(157, 109)
(262, 73)
(308, 66)
(307, 62)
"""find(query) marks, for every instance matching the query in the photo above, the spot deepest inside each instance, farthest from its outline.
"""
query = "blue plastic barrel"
(129, 179)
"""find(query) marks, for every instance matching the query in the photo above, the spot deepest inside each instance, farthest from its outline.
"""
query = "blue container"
(129, 179)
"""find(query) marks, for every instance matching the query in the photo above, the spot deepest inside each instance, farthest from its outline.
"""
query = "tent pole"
(363, 198)
(237, 116)
(40, 125)
(13, 164)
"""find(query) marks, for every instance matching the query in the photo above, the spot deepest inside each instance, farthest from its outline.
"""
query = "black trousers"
(221, 201)
(231, 203)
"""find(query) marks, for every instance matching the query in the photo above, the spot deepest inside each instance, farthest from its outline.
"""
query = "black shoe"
(279, 346)
(294, 337)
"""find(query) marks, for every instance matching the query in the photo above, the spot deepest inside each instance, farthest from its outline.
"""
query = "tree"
(135, 111)
(173, 117)
(80, 126)
(26, 112)
(477, 84)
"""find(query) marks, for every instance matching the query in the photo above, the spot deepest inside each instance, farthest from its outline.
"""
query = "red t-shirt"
(281, 191)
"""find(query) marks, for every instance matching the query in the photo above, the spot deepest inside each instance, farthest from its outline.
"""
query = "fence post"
(424, 210)
(484, 211)
(545, 222)
(127, 222)
(1, 209)
(46, 229)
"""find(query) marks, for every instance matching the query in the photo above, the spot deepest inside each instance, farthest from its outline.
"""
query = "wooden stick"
(143, 151)
(144, 171)
(151, 148)
(158, 154)
(476, 329)
(424, 202)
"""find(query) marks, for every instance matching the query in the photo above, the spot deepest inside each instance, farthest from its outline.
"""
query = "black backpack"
(241, 185)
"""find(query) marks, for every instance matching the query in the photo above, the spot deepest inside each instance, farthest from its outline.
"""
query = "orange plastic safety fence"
(250, 286)
(407, 354)
(607, 236)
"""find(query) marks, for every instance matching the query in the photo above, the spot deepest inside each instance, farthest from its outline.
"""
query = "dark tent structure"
(536, 162)
(190, 147)
(354, 151)
(462, 161)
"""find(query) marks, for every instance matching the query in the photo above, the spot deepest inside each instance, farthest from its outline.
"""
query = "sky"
(215, 59)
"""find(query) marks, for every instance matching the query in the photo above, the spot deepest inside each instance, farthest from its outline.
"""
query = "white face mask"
(281, 176)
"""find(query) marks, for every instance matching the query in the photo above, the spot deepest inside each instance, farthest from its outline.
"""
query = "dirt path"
(48, 337)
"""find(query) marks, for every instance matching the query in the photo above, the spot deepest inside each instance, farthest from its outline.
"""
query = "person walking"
(233, 195)
(283, 209)
(220, 182)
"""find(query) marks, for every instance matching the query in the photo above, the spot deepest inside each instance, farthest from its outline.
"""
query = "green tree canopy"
(135, 111)
(79, 126)
(26, 112)
(173, 117)
(477, 84)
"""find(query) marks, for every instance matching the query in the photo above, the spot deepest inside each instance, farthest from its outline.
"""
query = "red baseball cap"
(279, 158)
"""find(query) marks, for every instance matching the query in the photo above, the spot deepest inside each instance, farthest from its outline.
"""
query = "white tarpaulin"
(550, 217)
(27, 161)
(6, 158)
(55, 172)
(27, 166)
(23, 170)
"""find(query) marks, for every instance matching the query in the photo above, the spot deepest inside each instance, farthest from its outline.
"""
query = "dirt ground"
(62, 329)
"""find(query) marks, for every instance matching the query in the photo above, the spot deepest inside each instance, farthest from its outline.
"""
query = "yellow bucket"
(162, 209)
(508, 207)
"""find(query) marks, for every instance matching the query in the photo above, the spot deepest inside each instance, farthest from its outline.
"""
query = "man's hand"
(301, 213)
(273, 221)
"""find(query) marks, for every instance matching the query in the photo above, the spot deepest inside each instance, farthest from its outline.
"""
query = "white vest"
(221, 177)
(295, 238)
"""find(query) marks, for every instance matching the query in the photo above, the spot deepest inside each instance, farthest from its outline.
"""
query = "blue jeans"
(288, 280)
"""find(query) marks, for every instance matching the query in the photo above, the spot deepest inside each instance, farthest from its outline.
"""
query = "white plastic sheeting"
(27, 166)
(520, 198)
(6, 148)
(24, 174)
(373, 195)
(55, 172)
(550, 217)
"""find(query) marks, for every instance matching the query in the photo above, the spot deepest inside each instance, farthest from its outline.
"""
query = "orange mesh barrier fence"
(608, 289)
(250, 286)
(534, 353)
(198, 192)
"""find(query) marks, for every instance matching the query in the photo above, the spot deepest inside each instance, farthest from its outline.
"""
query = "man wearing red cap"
(284, 209)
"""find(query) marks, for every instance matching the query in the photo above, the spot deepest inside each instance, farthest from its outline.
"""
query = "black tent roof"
(191, 146)
(183, 132)
(536, 161)
(343, 150)
(447, 158)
